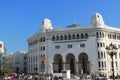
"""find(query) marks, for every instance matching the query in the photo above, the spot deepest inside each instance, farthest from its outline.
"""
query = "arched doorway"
(84, 66)
(57, 64)
(70, 59)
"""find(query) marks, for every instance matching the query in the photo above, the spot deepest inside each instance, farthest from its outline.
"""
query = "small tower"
(97, 21)
(1, 47)
(2, 54)
(46, 25)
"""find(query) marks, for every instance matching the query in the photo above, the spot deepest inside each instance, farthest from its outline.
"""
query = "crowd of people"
(31, 77)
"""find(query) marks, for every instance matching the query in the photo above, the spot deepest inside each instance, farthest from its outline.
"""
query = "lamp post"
(111, 51)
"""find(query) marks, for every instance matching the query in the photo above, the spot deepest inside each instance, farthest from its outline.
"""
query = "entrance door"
(70, 59)
(17, 69)
(83, 60)
(57, 64)
(84, 65)
(72, 65)
(60, 65)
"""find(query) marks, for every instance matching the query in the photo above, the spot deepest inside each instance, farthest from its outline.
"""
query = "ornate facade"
(80, 49)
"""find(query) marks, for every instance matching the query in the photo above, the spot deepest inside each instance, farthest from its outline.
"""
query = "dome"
(46, 25)
(73, 25)
(97, 21)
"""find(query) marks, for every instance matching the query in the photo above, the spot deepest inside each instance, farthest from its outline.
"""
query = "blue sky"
(21, 18)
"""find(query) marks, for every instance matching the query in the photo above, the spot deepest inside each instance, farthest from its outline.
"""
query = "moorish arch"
(70, 60)
(84, 64)
(57, 64)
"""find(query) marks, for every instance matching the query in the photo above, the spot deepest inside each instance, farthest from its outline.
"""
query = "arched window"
(100, 44)
(57, 37)
(102, 64)
(105, 63)
(65, 37)
(82, 36)
(103, 34)
(99, 64)
(86, 35)
(101, 54)
(98, 54)
(43, 39)
(100, 34)
(78, 36)
(73, 36)
(97, 34)
(61, 37)
(53, 38)
(40, 40)
(104, 55)
(58, 61)
(69, 37)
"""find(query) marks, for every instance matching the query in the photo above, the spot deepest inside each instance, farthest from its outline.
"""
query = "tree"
(5, 70)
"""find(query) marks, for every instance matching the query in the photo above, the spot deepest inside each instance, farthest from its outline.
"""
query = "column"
(76, 67)
(64, 65)
(50, 68)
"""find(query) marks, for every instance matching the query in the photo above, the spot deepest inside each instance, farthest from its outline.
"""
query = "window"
(97, 44)
(57, 47)
(100, 44)
(61, 37)
(57, 37)
(82, 36)
(53, 38)
(78, 36)
(69, 37)
(43, 48)
(99, 64)
(42, 65)
(98, 54)
(73, 36)
(105, 63)
(65, 37)
(97, 34)
(82, 45)
(43, 39)
(101, 54)
(24, 58)
(86, 35)
(70, 46)
(102, 64)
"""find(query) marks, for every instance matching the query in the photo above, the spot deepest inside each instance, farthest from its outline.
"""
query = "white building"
(19, 63)
(76, 48)
(9, 61)
(2, 54)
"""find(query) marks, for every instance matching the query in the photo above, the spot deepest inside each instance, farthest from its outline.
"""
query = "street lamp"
(111, 51)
